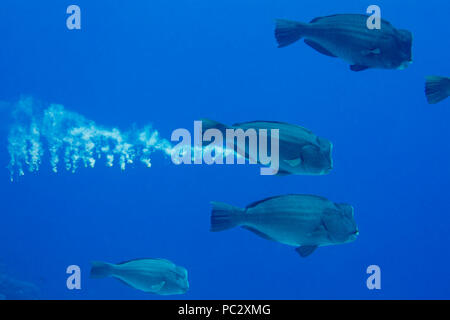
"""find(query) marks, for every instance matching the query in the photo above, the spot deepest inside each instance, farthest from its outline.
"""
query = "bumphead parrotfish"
(157, 276)
(347, 36)
(303, 221)
(301, 152)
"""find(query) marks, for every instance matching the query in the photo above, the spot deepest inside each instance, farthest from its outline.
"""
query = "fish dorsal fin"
(301, 196)
(320, 18)
(128, 261)
(319, 48)
(141, 259)
(324, 17)
(211, 124)
(259, 233)
(305, 251)
(259, 121)
(362, 17)
(275, 122)
(254, 204)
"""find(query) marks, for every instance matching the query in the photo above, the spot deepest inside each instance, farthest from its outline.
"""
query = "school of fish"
(305, 222)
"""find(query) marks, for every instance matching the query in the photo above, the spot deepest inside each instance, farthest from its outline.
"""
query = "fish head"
(178, 288)
(175, 283)
(183, 286)
(181, 280)
(341, 224)
(404, 65)
(317, 159)
(404, 48)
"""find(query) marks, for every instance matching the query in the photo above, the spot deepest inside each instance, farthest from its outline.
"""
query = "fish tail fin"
(225, 216)
(288, 31)
(436, 88)
(101, 270)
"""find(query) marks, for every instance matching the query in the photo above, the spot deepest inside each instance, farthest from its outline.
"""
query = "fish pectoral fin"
(158, 287)
(258, 233)
(305, 251)
(319, 48)
(294, 162)
(282, 173)
(357, 68)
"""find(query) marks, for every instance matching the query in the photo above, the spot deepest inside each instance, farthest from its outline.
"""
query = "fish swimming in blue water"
(157, 276)
(303, 221)
(12, 289)
(347, 36)
(301, 152)
(437, 89)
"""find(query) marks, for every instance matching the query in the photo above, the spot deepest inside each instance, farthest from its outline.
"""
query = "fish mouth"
(183, 290)
(405, 65)
(327, 170)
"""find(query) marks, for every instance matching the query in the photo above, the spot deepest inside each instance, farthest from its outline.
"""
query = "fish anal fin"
(305, 251)
(358, 68)
(124, 282)
(128, 261)
(282, 173)
(323, 17)
(319, 48)
(258, 233)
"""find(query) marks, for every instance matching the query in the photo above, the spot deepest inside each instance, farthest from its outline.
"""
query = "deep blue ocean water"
(168, 63)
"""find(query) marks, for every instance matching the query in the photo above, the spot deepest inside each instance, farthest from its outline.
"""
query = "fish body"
(347, 36)
(302, 221)
(437, 89)
(301, 152)
(12, 289)
(157, 276)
